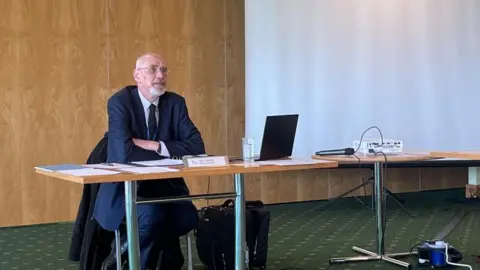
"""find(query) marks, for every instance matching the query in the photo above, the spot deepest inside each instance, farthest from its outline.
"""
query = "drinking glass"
(248, 150)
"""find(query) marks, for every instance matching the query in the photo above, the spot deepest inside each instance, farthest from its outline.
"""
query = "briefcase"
(215, 235)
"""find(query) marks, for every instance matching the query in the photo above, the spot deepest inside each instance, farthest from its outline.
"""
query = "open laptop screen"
(278, 136)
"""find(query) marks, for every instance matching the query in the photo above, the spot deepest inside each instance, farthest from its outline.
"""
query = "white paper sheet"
(144, 170)
(60, 167)
(87, 172)
(109, 166)
(290, 162)
(161, 162)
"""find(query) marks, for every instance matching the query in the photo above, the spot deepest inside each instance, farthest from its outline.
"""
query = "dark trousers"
(161, 223)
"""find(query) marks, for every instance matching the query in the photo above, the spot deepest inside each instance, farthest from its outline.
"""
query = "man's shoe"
(171, 256)
(110, 263)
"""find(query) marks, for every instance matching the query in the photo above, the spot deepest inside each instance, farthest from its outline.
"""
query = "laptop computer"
(278, 137)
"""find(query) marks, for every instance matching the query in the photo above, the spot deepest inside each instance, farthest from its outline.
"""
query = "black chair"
(90, 243)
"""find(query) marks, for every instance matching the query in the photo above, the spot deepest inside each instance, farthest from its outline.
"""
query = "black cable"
(384, 221)
(359, 161)
(415, 266)
(363, 180)
(414, 246)
(363, 134)
(356, 150)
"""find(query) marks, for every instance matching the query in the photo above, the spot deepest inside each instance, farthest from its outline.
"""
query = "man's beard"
(156, 92)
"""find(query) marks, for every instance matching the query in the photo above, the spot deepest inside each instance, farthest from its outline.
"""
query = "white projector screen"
(410, 67)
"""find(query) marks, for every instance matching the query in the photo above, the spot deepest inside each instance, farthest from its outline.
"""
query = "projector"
(371, 146)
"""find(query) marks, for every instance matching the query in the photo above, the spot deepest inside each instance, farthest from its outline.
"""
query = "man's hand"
(147, 145)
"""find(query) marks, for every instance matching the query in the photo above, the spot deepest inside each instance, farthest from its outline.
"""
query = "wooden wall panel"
(341, 181)
(330, 183)
(75, 54)
(53, 69)
(62, 60)
(235, 75)
(234, 104)
(191, 37)
(433, 178)
(312, 184)
(403, 180)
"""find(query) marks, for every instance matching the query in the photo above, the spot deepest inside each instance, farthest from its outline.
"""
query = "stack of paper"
(54, 168)
(144, 170)
(161, 162)
(108, 166)
(289, 162)
(87, 172)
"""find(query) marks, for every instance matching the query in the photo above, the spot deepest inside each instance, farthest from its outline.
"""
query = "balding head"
(150, 73)
(145, 59)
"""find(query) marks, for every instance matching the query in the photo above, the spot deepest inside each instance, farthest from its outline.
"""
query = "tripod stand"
(364, 184)
(380, 196)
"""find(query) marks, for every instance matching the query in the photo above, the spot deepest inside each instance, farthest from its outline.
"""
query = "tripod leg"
(398, 201)
(371, 180)
(362, 202)
(373, 196)
(365, 200)
(388, 192)
(348, 192)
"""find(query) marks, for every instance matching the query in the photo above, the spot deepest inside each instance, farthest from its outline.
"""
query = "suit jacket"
(90, 244)
(126, 120)
(85, 228)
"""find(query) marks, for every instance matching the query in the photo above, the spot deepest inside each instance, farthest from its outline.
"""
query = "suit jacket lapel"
(139, 114)
(163, 115)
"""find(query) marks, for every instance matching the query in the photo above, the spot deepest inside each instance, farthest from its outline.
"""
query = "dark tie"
(152, 122)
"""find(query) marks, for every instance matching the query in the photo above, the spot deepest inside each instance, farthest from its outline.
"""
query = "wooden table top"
(472, 154)
(368, 159)
(233, 168)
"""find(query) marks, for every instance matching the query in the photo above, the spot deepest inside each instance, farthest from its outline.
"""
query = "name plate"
(208, 161)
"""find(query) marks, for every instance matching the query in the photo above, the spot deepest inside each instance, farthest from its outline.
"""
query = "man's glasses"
(155, 69)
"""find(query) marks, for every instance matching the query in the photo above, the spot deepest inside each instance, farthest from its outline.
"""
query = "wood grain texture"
(234, 91)
(433, 178)
(472, 154)
(342, 180)
(53, 68)
(190, 35)
(235, 74)
(329, 183)
(61, 60)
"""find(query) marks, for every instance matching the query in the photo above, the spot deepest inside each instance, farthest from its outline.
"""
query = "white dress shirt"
(146, 108)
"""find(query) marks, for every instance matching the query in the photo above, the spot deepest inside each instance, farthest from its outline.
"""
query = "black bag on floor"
(215, 235)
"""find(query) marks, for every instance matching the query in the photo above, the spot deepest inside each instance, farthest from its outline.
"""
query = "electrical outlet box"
(472, 191)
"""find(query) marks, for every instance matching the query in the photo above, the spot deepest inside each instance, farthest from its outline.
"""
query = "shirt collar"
(145, 102)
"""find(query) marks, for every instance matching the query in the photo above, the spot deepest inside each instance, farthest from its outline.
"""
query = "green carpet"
(302, 235)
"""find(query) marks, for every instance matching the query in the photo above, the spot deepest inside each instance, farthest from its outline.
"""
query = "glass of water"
(248, 150)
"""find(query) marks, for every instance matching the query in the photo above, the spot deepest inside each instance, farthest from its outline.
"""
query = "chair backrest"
(99, 152)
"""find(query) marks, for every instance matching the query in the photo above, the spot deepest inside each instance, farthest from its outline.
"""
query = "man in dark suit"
(146, 122)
